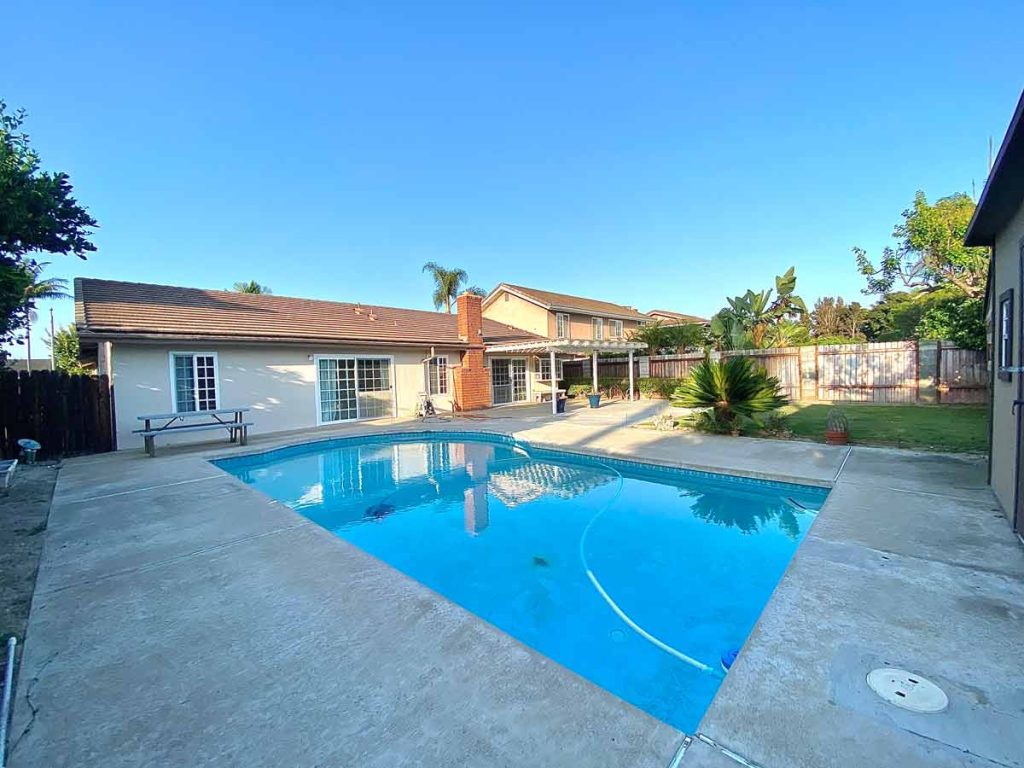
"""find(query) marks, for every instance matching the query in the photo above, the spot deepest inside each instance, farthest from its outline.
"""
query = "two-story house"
(554, 316)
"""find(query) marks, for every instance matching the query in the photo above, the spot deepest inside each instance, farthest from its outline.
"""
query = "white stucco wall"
(1004, 425)
(277, 381)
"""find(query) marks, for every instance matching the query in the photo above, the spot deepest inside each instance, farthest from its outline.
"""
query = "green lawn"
(953, 428)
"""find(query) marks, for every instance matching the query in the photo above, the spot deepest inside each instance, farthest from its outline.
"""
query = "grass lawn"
(952, 428)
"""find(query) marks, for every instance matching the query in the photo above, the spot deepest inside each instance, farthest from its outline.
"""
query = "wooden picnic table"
(237, 427)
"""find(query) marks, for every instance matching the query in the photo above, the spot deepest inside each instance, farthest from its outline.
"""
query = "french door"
(351, 388)
(508, 380)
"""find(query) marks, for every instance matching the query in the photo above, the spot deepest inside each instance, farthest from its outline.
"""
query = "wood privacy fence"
(890, 372)
(65, 414)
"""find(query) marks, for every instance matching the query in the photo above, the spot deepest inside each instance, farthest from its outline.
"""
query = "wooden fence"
(66, 414)
(891, 372)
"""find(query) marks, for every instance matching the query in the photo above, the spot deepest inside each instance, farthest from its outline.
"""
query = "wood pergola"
(575, 347)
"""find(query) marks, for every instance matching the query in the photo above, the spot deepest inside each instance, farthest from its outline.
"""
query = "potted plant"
(837, 428)
(594, 396)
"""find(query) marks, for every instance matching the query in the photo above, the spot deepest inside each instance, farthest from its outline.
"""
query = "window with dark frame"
(1004, 336)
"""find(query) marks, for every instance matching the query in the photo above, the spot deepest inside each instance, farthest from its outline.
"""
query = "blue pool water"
(639, 578)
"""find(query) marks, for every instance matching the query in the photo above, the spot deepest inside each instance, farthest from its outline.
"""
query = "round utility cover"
(907, 690)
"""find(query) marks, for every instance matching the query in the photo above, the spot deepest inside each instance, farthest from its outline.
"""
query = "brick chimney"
(469, 309)
(472, 381)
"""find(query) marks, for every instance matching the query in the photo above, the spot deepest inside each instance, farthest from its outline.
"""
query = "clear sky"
(655, 154)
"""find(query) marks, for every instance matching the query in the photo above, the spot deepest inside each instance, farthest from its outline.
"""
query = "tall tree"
(929, 252)
(832, 316)
(38, 214)
(39, 288)
(447, 284)
(252, 287)
(66, 351)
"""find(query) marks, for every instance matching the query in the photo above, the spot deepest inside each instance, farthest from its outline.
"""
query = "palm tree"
(447, 283)
(252, 287)
(50, 288)
(729, 389)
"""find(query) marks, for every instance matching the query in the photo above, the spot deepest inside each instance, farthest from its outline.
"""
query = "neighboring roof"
(565, 302)
(1004, 190)
(676, 316)
(109, 308)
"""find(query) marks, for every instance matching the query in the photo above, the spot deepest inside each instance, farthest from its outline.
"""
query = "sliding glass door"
(508, 380)
(353, 388)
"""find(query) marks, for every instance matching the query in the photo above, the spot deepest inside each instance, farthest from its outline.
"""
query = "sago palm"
(446, 284)
(732, 388)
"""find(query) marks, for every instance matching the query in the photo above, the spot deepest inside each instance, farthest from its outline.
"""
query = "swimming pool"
(638, 577)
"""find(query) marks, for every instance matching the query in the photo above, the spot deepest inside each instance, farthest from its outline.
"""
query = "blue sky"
(655, 154)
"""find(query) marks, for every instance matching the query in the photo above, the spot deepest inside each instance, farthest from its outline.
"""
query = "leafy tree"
(894, 317)
(65, 348)
(833, 317)
(448, 284)
(958, 319)
(929, 252)
(731, 388)
(664, 339)
(39, 288)
(252, 287)
(38, 214)
(749, 317)
(787, 333)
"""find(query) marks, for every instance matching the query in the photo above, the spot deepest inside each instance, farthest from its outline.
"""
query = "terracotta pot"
(837, 438)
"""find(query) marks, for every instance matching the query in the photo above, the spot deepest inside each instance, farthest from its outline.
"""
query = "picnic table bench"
(237, 428)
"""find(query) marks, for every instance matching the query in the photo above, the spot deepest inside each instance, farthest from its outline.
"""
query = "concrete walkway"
(182, 618)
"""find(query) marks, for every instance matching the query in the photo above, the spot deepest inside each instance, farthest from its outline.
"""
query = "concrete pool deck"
(182, 618)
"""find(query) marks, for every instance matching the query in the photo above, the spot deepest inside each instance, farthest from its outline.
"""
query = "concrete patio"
(182, 618)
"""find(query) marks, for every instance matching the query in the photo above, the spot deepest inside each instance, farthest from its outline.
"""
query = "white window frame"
(545, 361)
(432, 383)
(559, 318)
(616, 329)
(359, 417)
(597, 328)
(195, 379)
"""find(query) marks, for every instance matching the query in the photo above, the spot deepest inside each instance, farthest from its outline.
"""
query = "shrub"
(657, 388)
(732, 389)
(775, 424)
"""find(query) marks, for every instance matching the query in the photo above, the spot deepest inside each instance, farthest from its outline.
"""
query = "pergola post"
(594, 367)
(631, 375)
(554, 384)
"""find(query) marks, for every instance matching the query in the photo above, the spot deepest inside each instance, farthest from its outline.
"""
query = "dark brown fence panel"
(674, 366)
(963, 375)
(66, 414)
(612, 368)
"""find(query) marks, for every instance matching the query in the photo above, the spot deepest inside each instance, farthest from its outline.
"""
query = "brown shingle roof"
(114, 308)
(677, 316)
(565, 301)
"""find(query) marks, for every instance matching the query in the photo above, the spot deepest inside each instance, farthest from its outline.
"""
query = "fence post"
(928, 372)
(645, 366)
(809, 373)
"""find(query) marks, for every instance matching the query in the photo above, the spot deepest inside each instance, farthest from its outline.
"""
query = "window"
(194, 380)
(544, 369)
(1004, 336)
(437, 375)
(353, 388)
(561, 325)
(598, 325)
(616, 329)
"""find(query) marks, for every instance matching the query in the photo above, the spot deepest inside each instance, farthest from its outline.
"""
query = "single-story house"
(999, 224)
(300, 364)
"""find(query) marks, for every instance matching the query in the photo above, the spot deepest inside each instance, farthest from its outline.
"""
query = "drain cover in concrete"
(907, 690)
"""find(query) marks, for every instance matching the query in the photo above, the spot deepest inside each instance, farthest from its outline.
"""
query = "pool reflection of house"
(373, 481)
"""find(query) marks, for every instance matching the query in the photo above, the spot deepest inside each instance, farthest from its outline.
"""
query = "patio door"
(350, 388)
(508, 380)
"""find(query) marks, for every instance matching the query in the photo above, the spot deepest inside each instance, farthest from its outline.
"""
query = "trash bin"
(560, 405)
